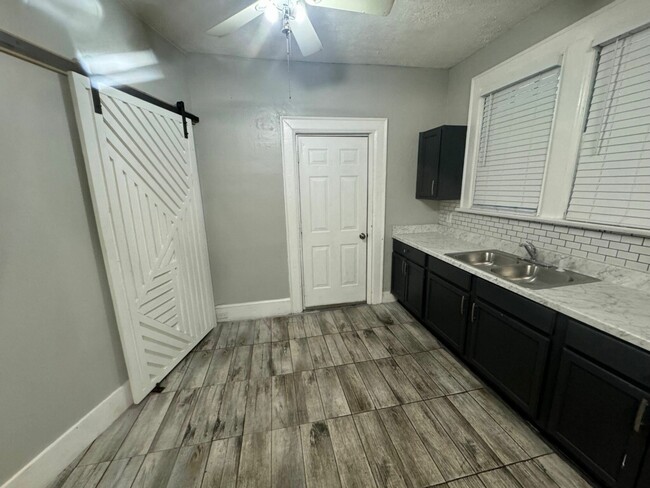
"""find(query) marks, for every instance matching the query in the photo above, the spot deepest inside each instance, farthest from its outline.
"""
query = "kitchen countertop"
(617, 310)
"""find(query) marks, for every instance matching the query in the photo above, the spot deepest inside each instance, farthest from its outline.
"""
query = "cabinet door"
(445, 311)
(414, 294)
(644, 479)
(428, 162)
(593, 416)
(398, 277)
(509, 353)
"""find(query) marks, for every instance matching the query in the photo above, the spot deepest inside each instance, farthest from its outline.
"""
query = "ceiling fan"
(295, 20)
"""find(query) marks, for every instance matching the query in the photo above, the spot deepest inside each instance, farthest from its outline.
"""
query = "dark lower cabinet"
(585, 389)
(509, 353)
(445, 311)
(398, 278)
(414, 293)
(644, 478)
(407, 284)
(597, 416)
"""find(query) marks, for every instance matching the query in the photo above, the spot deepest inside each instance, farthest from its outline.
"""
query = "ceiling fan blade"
(306, 36)
(238, 20)
(373, 7)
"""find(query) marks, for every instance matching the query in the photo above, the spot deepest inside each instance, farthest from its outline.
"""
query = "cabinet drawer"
(625, 359)
(462, 279)
(540, 317)
(410, 253)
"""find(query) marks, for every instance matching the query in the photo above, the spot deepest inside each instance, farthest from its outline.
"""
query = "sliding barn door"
(145, 190)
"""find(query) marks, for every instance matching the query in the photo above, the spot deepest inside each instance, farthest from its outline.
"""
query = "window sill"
(566, 223)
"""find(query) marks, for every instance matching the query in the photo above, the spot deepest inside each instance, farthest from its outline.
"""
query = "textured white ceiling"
(422, 33)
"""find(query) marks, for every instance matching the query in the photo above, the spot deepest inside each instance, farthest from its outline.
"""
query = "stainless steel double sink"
(520, 271)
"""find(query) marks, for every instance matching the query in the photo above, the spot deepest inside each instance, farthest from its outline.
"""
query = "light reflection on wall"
(83, 20)
(122, 68)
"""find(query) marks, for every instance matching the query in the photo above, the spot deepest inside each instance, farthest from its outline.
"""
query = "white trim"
(573, 49)
(253, 310)
(44, 468)
(388, 297)
(377, 131)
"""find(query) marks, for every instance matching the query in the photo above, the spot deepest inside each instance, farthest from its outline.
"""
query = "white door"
(145, 190)
(334, 214)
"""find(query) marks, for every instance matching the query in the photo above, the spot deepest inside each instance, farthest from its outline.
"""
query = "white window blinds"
(514, 141)
(612, 183)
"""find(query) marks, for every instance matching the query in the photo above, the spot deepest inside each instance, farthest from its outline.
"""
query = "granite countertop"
(617, 310)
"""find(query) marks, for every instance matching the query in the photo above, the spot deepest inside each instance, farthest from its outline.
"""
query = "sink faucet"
(530, 249)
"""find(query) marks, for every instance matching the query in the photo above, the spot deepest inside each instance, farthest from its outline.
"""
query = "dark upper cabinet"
(441, 156)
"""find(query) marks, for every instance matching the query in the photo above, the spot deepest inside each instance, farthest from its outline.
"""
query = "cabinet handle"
(473, 316)
(462, 306)
(433, 183)
(640, 415)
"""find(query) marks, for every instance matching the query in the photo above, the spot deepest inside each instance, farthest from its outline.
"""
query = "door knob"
(362, 236)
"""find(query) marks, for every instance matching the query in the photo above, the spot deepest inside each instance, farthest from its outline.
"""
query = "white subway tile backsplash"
(630, 256)
(632, 240)
(615, 261)
(621, 246)
(638, 249)
(596, 257)
(605, 251)
(627, 251)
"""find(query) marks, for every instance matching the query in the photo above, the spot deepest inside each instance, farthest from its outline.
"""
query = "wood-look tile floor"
(362, 396)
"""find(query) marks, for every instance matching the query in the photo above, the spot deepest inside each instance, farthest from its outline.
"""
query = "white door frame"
(376, 129)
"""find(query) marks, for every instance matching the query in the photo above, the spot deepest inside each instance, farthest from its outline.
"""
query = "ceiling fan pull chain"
(289, 61)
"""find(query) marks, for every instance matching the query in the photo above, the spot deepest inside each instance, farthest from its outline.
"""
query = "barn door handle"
(640, 415)
(462, 306)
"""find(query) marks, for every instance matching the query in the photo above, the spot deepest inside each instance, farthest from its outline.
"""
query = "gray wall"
(60, 350)
(542, 24)
(240, 103)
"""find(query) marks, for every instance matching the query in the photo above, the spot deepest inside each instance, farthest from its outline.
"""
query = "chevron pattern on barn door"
(148, 204)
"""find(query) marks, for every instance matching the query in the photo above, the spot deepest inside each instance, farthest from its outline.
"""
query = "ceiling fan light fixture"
(271, 12)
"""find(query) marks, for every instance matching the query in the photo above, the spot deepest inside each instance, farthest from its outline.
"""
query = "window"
(513, 144)
(612, 183)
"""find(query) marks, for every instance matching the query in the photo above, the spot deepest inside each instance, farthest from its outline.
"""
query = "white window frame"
(575, 49)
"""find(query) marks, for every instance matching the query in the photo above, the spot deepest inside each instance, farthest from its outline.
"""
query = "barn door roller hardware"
(181, 110)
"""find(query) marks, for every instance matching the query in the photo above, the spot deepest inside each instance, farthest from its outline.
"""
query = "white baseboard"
(44, 468)
(388, 297)
(254, 310)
